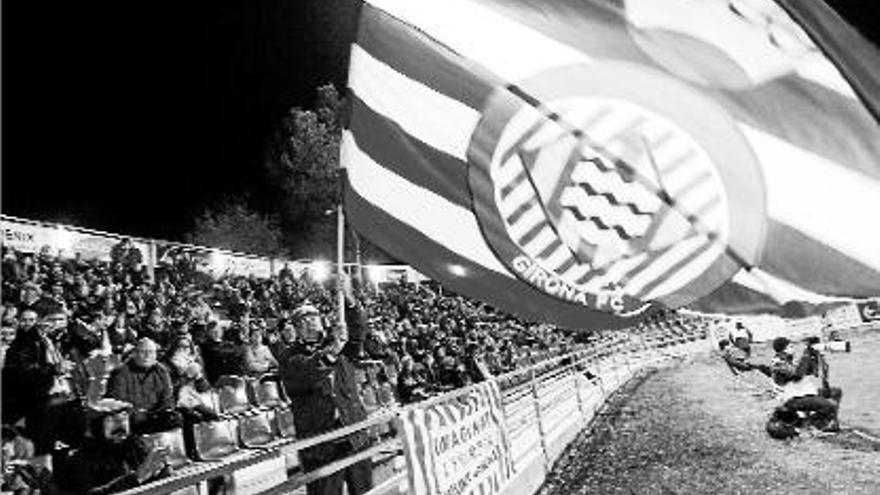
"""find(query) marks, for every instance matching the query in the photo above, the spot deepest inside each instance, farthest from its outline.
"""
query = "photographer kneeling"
(805, 390)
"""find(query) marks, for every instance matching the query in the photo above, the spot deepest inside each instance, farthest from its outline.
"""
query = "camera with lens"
(816, 343)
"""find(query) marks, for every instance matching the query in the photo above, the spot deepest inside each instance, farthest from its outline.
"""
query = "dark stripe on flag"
(733, 298)
(533, 232)
(857, 58)
(433, 260)
(512, 185)
(390, 146)
(550, 249)
(794, 256)
(520, 211)
(419, 57)
(675, 268)
(565, 266)
(811, 117)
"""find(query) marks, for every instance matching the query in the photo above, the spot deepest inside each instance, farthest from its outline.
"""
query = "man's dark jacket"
(27, 375)
(99, 468)
(147, 389)
(324, 394)
(222, 358)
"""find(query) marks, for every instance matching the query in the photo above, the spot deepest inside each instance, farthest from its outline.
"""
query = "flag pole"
(340, 260)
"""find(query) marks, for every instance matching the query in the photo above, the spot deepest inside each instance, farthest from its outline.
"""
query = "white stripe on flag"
(529, 220)
(617, 270)
(559, 257)
(780, 290)
(660, 267)
(440, 122)
(448, 225)
(539, 243)
(821, 199)
(505, 47)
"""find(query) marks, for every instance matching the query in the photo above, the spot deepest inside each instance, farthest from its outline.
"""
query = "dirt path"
(691, 430)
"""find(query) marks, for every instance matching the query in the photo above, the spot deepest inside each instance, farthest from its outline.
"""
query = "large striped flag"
(580, 160)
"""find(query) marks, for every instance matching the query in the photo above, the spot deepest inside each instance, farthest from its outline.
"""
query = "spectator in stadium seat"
(320, 379)
(286, 331)
(410, 384)
(30, 294)
(126, 255)
(122, 337)
(27, 320)
(7, 336)
(154, 327)
(220, 354)
(20, 475)
(258, 359)
(189, 382)
(112, 459)
(475, 364)
(185, 365)
(146, 384)
(37, 381)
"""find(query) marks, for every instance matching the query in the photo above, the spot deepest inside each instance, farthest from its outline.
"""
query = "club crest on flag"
(593, 189)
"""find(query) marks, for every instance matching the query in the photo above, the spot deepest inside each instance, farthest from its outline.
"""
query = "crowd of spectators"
(167, 335)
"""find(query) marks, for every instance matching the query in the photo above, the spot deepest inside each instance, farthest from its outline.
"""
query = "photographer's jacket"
(795, 380)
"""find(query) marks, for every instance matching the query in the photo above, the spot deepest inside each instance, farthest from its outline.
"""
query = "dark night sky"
(133, 116)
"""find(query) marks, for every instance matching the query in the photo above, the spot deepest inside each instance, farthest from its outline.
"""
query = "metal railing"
(544, 407)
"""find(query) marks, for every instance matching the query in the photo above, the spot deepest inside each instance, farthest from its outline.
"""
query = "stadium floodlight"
(374, 274)
(63, 240)
(457, 270)
(320, 270)
(215, 261)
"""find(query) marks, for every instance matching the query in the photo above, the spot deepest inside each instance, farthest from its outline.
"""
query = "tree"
(303, 161)
(232, 225)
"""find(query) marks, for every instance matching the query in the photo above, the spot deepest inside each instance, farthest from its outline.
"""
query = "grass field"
(692, 429)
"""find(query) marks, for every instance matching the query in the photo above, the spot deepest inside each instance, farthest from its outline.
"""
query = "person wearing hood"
(112, 459)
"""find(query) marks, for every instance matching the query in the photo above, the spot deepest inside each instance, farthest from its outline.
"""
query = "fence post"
(537, 403)
(577, 389)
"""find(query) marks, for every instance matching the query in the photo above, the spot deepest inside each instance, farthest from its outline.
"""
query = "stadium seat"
(268, 391)
(232, 391)
(215, 439)
(97, 387)
(360, 376)
(391, 373)
(256, 428)
(370, 398)
(386, 395)
(173, 441)
(284, 425)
